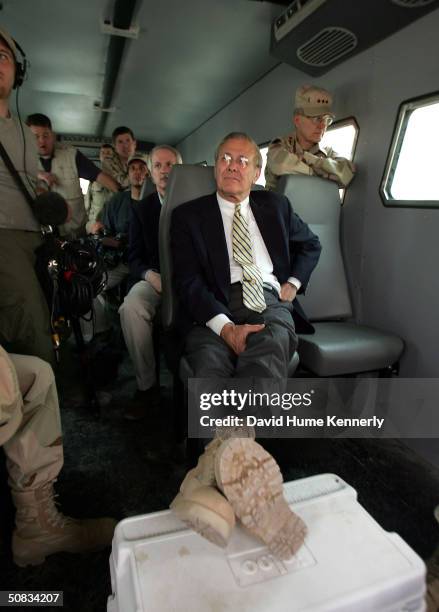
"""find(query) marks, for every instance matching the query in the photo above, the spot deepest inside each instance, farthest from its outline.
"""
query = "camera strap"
(15, 175)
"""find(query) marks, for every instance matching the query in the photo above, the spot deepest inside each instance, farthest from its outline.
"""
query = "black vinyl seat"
(339, 346)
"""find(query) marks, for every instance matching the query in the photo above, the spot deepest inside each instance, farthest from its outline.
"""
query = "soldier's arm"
(338, 169)
(111, 167)
(280, 160)
(107, 181)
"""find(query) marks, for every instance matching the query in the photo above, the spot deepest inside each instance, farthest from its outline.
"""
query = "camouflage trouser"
(24, 314)
(35, 452)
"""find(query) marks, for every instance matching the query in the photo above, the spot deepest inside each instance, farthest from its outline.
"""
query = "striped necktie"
(252, 288)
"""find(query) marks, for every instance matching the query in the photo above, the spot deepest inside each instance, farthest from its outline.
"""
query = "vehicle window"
(342, 137)
(410, 177)
(261, 180)
(84, 185)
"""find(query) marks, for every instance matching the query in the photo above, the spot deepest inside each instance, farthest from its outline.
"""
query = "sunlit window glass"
(261, 179)
(341, 139)
(416, 171)
(84, 185)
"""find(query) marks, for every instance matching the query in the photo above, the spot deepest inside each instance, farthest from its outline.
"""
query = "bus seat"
(338, 347)
(186, 182)
(148, 187)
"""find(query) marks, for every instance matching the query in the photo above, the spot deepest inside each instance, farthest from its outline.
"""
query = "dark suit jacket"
(143, 240)
(201, 263)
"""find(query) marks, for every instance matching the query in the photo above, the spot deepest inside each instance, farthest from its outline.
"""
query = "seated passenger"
(115, 221)
(299, 152)
(30, 433)
(239, 260)
(139, 307)
(97, 195)
(61, 167)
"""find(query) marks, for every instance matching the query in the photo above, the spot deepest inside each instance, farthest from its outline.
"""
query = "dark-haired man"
(115, 220)
(124, 145)
(61, 167)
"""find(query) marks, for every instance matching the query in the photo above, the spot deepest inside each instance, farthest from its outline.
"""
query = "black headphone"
(20, 67)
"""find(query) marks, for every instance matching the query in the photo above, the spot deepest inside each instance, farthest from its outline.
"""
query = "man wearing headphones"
(24, 314)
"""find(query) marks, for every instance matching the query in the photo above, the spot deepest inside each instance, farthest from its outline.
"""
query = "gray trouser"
(24, 314)
(136, 318)
(102, 320)
(267, 354)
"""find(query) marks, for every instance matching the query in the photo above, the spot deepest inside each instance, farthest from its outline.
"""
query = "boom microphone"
(50, 208)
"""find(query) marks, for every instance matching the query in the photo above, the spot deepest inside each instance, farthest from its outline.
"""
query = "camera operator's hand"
(155, 280)
(96, 227)
(49, 178)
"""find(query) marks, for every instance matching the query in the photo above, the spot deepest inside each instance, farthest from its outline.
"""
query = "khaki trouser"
(29, 402)
(24, 314)
(136, 318)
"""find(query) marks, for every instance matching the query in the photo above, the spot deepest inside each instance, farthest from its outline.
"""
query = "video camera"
(72, 273)
(113, 249)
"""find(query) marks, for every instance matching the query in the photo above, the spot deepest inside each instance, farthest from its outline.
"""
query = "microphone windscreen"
(51, 208)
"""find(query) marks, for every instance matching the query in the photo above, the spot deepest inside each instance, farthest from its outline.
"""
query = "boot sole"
(252, 482)
(207, 523)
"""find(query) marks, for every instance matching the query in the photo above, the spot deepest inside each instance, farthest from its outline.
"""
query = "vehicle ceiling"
(191, 58)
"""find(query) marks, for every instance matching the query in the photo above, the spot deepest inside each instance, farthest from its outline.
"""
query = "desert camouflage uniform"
(286, 156)
(95, 199)
(98, 196)
(115, 167)
(30, 424)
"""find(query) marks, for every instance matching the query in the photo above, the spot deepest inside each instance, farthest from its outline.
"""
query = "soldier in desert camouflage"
(300, 152)
(30, 433)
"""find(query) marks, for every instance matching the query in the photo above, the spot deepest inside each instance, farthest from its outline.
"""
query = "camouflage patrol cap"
(138, 156)
(9, 41)
(313, 101)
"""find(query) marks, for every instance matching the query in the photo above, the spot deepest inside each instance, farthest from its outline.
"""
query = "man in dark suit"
(239, 259)
(139, 307)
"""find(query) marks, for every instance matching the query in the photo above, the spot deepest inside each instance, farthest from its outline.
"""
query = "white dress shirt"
(261, 256)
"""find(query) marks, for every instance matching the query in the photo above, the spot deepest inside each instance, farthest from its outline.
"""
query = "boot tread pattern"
(252, 482)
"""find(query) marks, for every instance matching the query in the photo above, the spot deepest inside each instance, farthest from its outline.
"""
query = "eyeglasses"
(242, 161)
(325, 119)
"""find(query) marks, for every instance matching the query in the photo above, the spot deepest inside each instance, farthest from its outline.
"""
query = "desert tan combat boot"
(199, 504)
(41, 530)
(251, 480)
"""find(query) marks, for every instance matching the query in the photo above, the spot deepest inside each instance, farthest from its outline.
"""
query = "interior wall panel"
(391, 253)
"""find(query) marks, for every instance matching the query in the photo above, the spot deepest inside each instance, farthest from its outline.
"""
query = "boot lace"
(50, 506)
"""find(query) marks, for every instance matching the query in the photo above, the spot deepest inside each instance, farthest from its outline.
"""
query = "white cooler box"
(347, 564)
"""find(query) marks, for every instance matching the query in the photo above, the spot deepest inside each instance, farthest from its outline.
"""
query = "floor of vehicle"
(114, 467)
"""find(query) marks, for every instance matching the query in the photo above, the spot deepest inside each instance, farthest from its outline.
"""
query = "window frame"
(351, 120)
(405, 110)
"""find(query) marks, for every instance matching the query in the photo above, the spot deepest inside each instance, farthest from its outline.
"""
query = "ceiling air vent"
(316, 35)
(327, 46)
(412, 3)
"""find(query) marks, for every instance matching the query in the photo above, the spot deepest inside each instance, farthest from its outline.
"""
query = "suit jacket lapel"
(216, 247)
